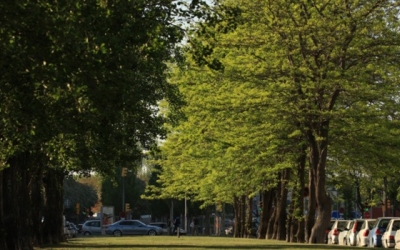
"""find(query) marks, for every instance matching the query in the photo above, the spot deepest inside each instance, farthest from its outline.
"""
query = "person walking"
(177, 223)
(192, 227)
(196, 226)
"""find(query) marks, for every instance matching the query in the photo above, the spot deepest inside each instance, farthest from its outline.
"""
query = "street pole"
(185, 214)
(123, 194)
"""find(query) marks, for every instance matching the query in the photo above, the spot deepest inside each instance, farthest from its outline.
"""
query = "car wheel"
(152, 232)
(87, 233)
(117, 233)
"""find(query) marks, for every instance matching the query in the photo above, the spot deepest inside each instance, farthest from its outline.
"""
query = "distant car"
(388, 237)
(337, 227)
(91, 227)
(351, 236)
(378, 229)
(132, 227)
(363, 234)
(342, 238)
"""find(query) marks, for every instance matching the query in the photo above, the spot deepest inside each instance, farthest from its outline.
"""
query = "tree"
(316, 63)
(79, 92)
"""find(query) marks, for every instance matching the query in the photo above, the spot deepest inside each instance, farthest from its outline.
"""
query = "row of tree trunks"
(279, 227)
(243, 208)
(27, 207)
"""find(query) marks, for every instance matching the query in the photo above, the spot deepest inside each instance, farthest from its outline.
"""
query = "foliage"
(80, 84)
(280, 75)
(76, 192)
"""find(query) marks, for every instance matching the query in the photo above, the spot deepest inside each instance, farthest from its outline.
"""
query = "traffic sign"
(367, 215)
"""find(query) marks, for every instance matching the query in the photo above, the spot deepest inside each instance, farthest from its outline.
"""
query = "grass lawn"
(182, 243)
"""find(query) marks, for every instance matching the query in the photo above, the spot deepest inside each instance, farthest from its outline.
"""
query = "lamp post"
(123, 175)
(185, 214)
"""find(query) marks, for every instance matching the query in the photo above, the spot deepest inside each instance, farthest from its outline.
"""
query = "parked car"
(388, 236)
(362, 235)
(337, 227)
(91, 227)
(397, 240)
(351, 236)
(378, 229)
(328, 229)
(342, 237)
(132, 227)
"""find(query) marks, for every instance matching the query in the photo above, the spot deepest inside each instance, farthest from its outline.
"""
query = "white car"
(351, 236)
(343, 234)
(333, 235)
(397, 240)
(362, 235)
(388, 237)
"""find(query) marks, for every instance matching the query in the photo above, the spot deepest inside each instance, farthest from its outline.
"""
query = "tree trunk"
(236, 228)
(3, 243)
(318, 154)
(53, 215)
(242, 216)
(17, 203)
(270, 228)
(280, 218)
(249, 216)
(266, 210)
(290, 222)
(301, 161)
(311, 208)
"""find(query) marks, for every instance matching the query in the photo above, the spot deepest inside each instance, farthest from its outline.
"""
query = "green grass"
(182, 243)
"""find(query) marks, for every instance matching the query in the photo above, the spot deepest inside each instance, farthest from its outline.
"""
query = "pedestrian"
(196, 226)
(177, 223)
(192, 227)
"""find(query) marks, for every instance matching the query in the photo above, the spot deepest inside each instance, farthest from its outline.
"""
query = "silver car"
(91, 227)
(132, 227)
